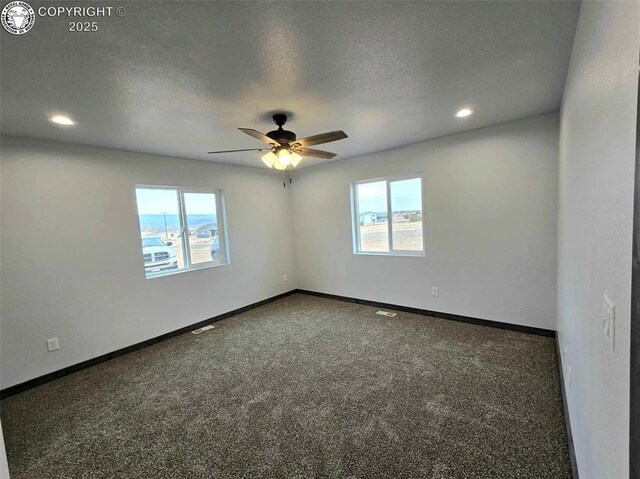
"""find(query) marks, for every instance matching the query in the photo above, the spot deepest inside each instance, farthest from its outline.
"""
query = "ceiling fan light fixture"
(269, 159)
(279, 166)
(295, 159)
(285, 150)
(284, 156)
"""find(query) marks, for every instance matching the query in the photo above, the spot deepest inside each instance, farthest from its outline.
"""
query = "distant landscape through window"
(180, 229)
(388, 216)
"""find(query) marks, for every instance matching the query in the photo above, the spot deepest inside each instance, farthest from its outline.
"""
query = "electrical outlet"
(284, 278)
(608, 321)
(52, 344)
(565, 351)
(435, 291)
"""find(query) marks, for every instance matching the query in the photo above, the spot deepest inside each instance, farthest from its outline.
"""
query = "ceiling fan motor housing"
(280, 135)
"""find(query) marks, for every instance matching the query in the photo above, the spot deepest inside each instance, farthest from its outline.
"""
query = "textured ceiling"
(178, 78)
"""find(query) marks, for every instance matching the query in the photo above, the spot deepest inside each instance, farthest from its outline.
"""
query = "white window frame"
(184, 229)
(355, 213)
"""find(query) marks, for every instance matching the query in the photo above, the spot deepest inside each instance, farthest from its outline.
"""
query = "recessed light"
(62, 120)
(465, 112)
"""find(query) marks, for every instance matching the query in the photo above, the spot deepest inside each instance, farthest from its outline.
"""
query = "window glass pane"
(406, 207)
(372, 216)
(160, 227)
(205, 237)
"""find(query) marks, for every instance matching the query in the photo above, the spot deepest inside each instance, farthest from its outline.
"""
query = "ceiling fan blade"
(233, 151)
(259, 136)
(321, 138)
(327, 155)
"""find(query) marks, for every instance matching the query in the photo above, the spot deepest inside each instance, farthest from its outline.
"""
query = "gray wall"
(4, 464)
(71, 260)
(490, 208)
(597, 150)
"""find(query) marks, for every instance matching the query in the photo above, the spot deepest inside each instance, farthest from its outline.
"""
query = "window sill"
(162, 274)
(409, 254)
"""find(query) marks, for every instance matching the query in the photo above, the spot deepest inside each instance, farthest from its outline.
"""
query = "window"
(180, 229)
(387, 216)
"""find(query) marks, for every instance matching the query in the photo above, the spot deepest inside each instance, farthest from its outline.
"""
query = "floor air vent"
(202, 329)
(386, 313)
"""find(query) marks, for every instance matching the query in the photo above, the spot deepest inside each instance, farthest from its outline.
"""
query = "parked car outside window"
(157, 255)
(215, 248)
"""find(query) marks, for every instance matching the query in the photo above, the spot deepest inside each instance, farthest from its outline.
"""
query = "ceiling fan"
(284, 149)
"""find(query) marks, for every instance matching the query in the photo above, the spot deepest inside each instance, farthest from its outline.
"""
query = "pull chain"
(287, 176)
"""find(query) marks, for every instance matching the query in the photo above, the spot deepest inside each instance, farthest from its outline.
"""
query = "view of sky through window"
(377, 225)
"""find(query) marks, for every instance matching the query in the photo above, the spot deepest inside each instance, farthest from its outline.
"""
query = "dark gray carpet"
(303, 387)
